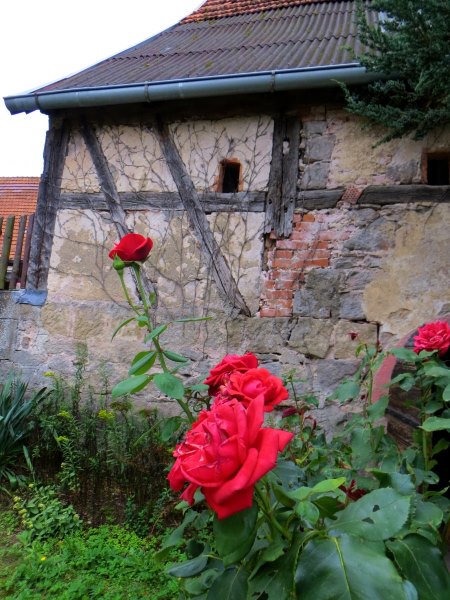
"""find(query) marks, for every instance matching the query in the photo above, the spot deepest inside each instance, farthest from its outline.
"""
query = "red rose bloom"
(225, 453)
(219, 375)
(132, 247)
(433, 336)
(253, 383)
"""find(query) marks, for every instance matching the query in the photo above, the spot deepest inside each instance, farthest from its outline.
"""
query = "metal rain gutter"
(202, 87)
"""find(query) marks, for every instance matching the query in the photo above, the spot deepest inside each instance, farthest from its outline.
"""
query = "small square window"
(436, 166)
(230, 176)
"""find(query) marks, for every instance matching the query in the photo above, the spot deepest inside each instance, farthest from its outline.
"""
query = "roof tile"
(216, 9)
(279, 35)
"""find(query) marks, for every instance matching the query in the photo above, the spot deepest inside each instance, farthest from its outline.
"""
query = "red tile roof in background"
(216, 9)
(18, 196)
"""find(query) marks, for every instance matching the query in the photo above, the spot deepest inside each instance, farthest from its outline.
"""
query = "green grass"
(108, 562)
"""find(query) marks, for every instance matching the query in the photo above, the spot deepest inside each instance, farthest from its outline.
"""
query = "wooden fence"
(15, 244)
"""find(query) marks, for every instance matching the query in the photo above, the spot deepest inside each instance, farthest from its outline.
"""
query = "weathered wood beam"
(212, 202)
(282, 188)
(221, 271)
(55, 151)
(399, 194)
(110, 193)
(18, 252)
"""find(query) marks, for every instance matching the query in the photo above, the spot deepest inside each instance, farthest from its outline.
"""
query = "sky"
(45, 40)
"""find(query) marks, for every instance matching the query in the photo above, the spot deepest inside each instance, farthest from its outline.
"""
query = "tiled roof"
(216, 9)
(18, 196)
(292, 35)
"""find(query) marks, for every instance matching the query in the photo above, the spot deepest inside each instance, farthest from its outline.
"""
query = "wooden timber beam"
(55, 151)
(110, 193)
(282, 187)
(221, 271)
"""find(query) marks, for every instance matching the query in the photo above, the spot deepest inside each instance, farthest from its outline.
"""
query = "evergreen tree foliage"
(408, 41)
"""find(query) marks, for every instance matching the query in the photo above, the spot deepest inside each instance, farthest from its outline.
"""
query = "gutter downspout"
(202, 87)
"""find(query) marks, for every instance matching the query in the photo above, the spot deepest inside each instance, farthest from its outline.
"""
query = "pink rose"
(247, 386)
(229, 364)
(225, 453)
(433, 336)
(133, 247)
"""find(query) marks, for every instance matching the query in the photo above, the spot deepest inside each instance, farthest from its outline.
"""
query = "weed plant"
(108, 459)
(108, 562)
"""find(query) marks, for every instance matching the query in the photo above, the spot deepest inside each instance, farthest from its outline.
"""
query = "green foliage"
(44, 516)
(108, 562)
(351, 517)
(97, 448)
(15, 424)
(409, 45)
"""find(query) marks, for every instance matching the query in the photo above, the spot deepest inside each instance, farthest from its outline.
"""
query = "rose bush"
(225, 453)
(219, 375)
(248, 385)
(433, 336)
(132, 247)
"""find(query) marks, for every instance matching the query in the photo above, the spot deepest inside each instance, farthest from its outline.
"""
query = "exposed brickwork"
(289, 259)
(216, 9)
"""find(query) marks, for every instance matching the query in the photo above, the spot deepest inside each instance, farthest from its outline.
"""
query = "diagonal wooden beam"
(227, 286)
(108, 187)
(55, 151)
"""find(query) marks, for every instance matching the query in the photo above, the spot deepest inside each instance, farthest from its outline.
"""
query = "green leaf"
(235, 535)
(192, 319)
(190, 567)
(328, 485)
(428, 513)
(169, 385)
(143, 321)
(401, 482)
(308, 511)
(177, 534)
(405, 354)
(376, 411)
(347, 391)
(119, 327)
(142, 362)
(446, 393)
(156, 332)
(131, 385)
(201, 584)
(440, 446)
(175, 357)
(436, 371)
(232, 584)
(423, 565)
(170, 426)
(346, 568)
(323, 487)
(376, 516)
(435, 424)
(275, 580)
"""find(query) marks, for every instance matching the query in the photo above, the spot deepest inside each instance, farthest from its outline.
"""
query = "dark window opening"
(438, 169)
(230, 176)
